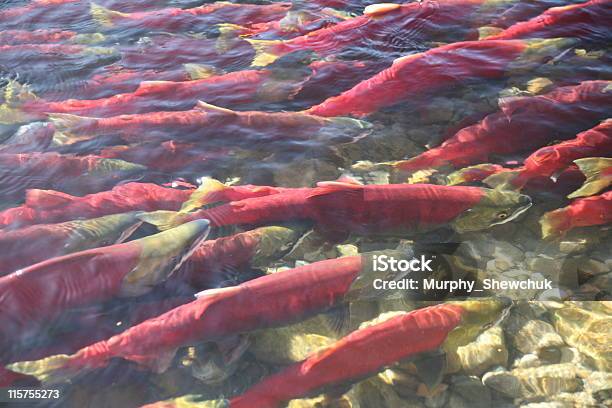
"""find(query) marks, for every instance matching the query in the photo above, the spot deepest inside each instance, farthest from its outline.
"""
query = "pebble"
(488, 350)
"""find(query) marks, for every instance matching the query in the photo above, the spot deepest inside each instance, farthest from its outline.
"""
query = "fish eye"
(502, 215)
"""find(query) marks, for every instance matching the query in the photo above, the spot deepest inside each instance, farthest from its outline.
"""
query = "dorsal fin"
(207, 107)
(509, 104)
(201, 71)
(327, 187)
(379, 9)
(47, 198)
(342, 180)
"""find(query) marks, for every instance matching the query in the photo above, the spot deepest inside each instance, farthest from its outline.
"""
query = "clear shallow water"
(284, 149)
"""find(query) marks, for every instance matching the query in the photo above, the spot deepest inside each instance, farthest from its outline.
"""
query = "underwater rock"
(527, 361)
(439, 110)
(323, 402)
(535, 336)
(552, 404)
(562, 271)
(403, 380)
(437, 400)
(312, 247)
(292, 343)
(376, 393)
(211, 363)
(346, 250)
(599, 385)
(529, 383)
(539, 85)
(589, 331)
(301, 173)
(468, 392)
(593, 267)
(488, 350)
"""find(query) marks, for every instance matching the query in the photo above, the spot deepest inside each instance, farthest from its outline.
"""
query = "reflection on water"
(315, 136)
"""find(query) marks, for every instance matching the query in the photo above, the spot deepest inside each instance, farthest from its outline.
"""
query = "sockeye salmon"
(369, 350)
(196, 19)
(565, 181)
(588, 21)
(47, 36)
(279, 83)
(36, 243)
(387, 26)
(598, 172)
(65, 172)
(208, 122)
(169, 156)
(418, 74)
(48, 207)
(550, 160)
(523, 123)
(341, 208)
(38, 293)
(217, 314)
(582, 212)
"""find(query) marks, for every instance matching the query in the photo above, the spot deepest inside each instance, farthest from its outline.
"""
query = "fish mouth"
(516, 214)
(190, 250)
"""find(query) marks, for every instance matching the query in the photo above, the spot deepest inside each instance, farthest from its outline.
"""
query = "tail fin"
(593, 168)
(203, 195)
(555, 223)
(470, 174)
(88, 38)
(506, 180)
(14, 94)
(67, 127)
(228, 34)
(201, 71)
(47, 199)
(264, 51)
(104, 16)
(48, 370)
(485, 32)
(163, 220)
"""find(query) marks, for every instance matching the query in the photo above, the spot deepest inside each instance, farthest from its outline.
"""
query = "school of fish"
(195, 196)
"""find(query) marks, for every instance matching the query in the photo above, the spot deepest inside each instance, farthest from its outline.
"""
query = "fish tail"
(163, 220)
(200, 71)
(264, 51)
(506, 180)
(88, 38)
(228, 33)
(67, 127)
(203, 195)
(592, 168)
(555, 223)
(103, 16)
(48, 370)
(14, 95)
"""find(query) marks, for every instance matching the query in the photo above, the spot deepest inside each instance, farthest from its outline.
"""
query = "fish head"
(541, 51)
(469, 174)
(345, 129)
(495, 207)
(477, 316)
(292, 60)
(89, 38)
(106, 167)
(287, 76)
(100, 232)
(162, 254)
(274, 243)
